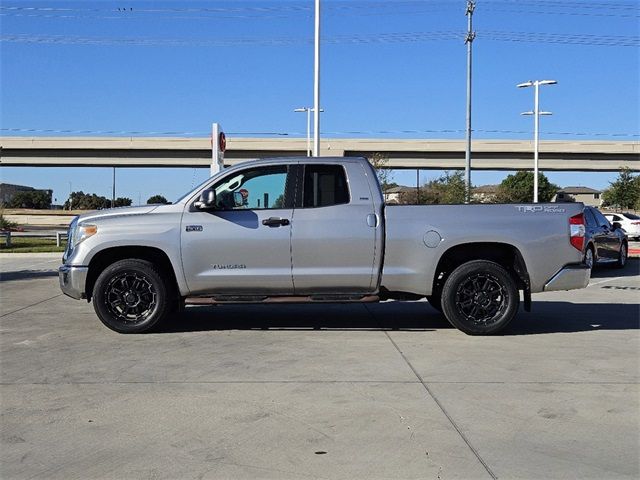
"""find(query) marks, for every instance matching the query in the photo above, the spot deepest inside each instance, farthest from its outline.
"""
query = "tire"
(589, 258)
(480, 298)
(623, 255)
(131, 296)
(435, 301)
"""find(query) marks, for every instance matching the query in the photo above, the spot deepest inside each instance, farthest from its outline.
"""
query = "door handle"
(275, 222)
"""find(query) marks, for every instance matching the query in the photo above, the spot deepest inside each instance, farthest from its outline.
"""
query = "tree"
(91, 201)
(122, 202)
(157, 199)
(518, 188)
(40, 199)
(86, 201)
(624, 192)
(380, 162)
(447, 189)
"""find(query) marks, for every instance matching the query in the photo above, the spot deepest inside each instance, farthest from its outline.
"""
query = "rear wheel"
(480, 298)
(588, 258)
(622, 256)
(131, 296)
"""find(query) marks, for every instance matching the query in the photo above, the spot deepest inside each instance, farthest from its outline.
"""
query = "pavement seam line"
(435, 399)
(444, 411)
(32, 305)
(300, 382)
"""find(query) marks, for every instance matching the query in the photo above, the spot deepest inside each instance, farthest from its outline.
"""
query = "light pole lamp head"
(547, 82)
(525, 84)
(303, 109)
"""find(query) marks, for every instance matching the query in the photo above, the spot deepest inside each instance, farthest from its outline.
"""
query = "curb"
(32, 255)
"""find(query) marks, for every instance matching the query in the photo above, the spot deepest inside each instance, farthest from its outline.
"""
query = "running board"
(226, 299)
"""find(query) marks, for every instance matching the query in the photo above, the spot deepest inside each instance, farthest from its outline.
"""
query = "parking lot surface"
(319, 391)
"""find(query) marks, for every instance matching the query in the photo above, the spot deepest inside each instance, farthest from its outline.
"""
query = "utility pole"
(316, 85)
(471, 35)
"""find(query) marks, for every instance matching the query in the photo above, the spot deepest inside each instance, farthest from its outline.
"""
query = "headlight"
(82, 232)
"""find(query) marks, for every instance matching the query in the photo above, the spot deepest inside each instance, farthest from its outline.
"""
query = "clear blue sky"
(386, 67)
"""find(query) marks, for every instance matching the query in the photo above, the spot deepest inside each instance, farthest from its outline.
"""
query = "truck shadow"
(631, 269)
(547, 317)
(566, 317)
(329, 316)
(27, 275)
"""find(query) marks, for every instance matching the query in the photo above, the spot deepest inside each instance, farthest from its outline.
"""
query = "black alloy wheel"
(480, 297)
(130, 296)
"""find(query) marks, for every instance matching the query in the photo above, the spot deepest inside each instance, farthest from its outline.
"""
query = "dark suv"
(604, 243)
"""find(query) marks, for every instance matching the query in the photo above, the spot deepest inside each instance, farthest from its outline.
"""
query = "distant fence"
(41, 218)
(7, 236)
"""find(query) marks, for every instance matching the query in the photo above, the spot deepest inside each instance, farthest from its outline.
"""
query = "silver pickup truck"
(318, 230)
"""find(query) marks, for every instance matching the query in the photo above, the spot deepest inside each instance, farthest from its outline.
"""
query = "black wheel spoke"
(130, 297)
(480, 298)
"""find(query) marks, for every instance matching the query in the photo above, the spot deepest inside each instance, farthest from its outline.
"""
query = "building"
(9, 190)
(394, 195)
(586, 195)
(484, 193)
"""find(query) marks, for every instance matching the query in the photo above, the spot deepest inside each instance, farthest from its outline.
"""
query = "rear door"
(596, 233)
(609, 236)
(333, 235)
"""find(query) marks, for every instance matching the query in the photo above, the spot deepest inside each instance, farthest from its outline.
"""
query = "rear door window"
(324, 185)
(591, 220)
(602, 222)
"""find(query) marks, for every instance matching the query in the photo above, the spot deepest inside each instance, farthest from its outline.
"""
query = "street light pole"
(308, 110)
(316, 84)
(536, 126)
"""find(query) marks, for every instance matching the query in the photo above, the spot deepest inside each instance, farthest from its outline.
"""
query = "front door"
(243, 245)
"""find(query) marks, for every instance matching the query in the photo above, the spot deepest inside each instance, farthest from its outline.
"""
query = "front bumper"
(73, 280)
(570, 277)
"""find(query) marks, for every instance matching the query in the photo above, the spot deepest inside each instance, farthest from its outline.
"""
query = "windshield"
(631, 216)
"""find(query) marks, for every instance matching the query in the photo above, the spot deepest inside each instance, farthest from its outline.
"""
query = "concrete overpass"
(589, 155)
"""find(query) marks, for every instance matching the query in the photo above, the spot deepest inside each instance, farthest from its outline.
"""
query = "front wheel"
(480, 298)
(131, 296)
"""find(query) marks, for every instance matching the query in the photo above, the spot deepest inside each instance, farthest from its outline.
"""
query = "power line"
(382, 38)
(301, 134)
(359, 8)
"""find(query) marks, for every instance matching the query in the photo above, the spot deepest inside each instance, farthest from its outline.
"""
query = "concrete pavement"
(319, 391)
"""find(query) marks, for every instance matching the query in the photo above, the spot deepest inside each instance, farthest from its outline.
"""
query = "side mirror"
(207, 199)
(616, 225)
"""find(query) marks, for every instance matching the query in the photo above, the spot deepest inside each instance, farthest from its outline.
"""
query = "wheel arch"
(504, 254)
(108, 256)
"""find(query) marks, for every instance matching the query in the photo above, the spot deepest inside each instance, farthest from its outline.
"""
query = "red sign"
(222, 142)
